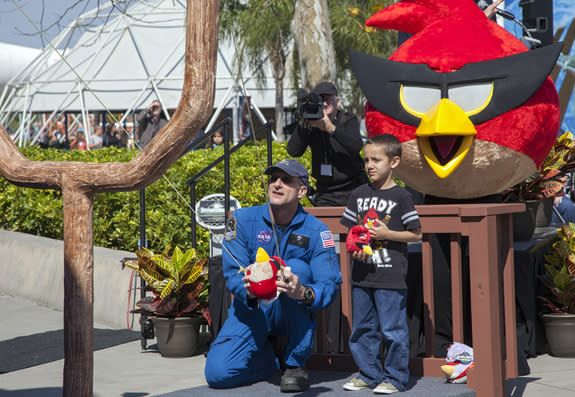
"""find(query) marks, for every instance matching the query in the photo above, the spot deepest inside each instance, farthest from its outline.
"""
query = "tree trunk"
(311, 30)
(277, 59)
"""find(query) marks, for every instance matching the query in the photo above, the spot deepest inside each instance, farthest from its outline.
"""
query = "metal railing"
(228, 151)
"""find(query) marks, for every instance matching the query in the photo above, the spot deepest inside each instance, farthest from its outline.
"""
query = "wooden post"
(486, 289)
(78, 293)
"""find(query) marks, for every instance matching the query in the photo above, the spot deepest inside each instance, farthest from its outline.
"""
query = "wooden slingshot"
(79, 182)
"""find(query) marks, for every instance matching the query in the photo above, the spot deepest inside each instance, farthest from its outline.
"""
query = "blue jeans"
(567, 210)
(374, 310)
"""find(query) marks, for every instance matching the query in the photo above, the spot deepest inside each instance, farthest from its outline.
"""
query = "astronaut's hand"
(290, 285)
(246, 280)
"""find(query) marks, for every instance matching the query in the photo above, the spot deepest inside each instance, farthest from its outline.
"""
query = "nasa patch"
(264, 236)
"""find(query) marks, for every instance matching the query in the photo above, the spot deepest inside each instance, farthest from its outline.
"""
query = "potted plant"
(179, 304)
(559, 278)
(539, 189)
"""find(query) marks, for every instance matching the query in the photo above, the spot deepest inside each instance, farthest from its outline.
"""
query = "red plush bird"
(359, 239)
(473, 107)
(264, 273)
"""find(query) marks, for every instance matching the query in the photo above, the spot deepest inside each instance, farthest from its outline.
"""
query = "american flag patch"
(327, 239)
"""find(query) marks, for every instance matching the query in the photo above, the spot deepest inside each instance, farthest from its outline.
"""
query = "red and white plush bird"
(472, 106)
(264, 273)
(458, 361)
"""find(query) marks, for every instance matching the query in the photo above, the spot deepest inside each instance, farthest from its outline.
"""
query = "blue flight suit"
(241, 353)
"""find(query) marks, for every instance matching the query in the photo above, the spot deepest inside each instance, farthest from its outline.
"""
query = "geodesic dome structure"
(119, 57)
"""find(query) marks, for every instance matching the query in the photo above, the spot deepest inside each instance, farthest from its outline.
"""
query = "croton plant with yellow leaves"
(551, 176)
(179, 283)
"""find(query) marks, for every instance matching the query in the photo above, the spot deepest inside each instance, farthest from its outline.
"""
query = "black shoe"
(294, 380)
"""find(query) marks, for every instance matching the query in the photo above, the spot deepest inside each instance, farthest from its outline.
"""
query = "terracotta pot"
(560, 333)
(177, 337)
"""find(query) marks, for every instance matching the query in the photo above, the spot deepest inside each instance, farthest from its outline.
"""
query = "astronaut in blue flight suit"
(241, 353)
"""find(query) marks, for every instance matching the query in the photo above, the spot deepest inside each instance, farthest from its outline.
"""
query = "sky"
(53, 15)
(48, 15)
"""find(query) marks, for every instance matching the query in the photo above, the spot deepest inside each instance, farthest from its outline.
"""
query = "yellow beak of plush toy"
(459, 359)
(263, 275)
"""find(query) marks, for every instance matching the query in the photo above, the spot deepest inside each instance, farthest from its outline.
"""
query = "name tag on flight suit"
(298, 240)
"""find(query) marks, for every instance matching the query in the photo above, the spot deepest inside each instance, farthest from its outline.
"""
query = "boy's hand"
(360, 256)
(379, 230)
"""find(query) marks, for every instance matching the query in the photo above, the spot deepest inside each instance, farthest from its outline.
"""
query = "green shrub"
(168, 211)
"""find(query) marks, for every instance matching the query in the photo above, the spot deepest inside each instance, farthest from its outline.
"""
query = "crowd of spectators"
(56, 136)
(73, 135)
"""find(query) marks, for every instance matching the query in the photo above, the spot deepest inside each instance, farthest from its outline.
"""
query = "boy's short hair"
(390, 143)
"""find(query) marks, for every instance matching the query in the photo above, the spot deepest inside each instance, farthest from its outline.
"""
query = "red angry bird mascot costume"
(473, 107)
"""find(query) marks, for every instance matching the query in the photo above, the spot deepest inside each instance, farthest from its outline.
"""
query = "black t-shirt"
(387, 267)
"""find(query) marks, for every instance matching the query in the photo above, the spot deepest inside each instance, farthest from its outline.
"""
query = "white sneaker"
(385, 388)
(355, 384)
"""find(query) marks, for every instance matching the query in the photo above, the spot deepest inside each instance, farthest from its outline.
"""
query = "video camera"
(309, 105)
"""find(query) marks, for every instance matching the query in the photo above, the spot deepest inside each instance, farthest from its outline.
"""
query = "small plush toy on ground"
(459, 359)
(264, 274)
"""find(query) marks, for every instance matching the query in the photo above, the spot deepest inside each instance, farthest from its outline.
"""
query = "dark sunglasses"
(287, 180)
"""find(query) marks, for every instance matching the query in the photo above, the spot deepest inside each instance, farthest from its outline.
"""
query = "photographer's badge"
(326, 170)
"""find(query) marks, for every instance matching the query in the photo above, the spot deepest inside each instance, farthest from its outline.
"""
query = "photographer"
(335, 142)
(150, 122)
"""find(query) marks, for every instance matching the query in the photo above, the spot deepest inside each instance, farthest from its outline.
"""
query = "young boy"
(379, 287)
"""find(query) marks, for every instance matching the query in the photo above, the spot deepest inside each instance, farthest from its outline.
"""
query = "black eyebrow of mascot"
(381, 80)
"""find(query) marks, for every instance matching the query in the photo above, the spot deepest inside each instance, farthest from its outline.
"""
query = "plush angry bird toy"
(459, 359)
(359, 239)
(473, 107)
(264, 274)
